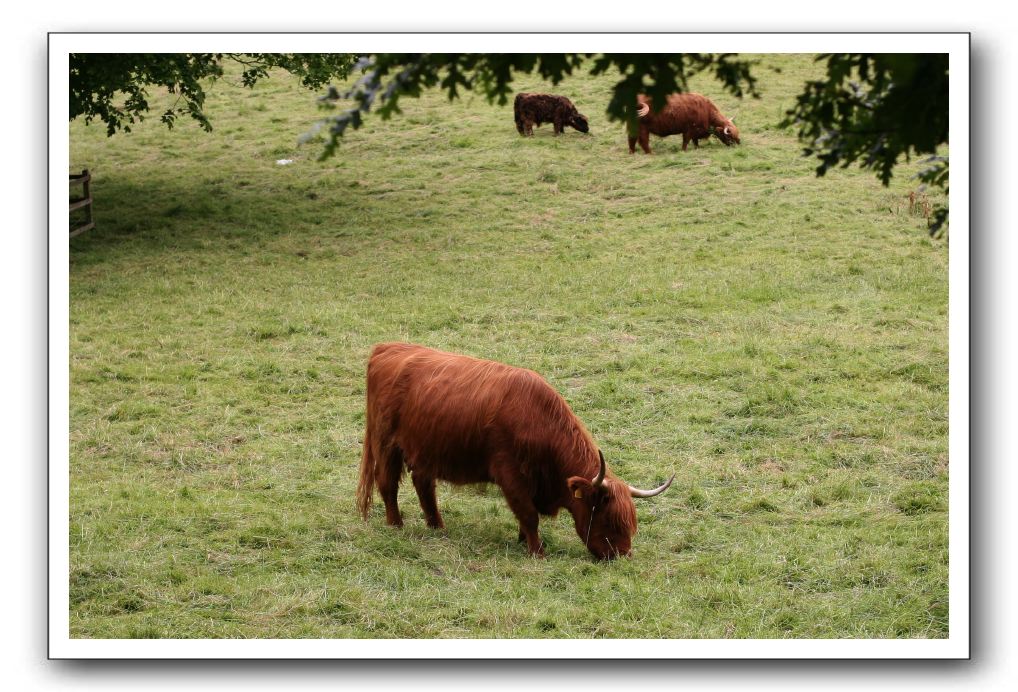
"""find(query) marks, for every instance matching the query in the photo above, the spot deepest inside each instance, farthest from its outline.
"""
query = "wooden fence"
(82, 203)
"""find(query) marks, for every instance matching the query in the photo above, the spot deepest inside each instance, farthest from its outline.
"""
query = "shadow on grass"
(141, 217)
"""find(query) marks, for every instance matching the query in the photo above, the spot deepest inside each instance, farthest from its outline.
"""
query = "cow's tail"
(366, 486)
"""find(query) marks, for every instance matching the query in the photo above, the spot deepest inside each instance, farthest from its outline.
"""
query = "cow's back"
(685, 113)
(446, 413)
(543, 107)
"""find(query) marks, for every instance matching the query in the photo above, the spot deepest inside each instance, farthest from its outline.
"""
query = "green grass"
(777, 340)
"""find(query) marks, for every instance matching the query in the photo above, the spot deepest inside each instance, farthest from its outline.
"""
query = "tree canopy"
(113, 87)
(873, 110)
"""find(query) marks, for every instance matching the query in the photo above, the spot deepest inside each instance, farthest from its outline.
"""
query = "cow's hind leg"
(425, 488)
(387, 477)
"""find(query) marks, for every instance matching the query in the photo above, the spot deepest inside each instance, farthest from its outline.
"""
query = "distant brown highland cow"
(534, 109)
(693, 116)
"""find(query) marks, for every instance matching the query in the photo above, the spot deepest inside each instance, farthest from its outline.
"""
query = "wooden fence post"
(83, 202)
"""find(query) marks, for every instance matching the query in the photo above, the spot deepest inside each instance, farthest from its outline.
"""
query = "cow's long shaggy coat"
(534, 109)
(693, 116)
(459, 419)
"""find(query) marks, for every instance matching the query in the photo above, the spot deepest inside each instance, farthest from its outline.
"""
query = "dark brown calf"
(534, 109)
(693, 116)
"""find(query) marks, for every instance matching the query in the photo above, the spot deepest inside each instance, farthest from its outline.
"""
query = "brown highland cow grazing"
(459, 419)
(534, 109)
(693, 116)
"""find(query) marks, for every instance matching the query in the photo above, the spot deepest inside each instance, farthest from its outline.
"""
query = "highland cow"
(693, 116)
(463, 420)
(534, 109)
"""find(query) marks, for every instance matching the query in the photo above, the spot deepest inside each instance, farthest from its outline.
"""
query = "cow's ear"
(581, 487)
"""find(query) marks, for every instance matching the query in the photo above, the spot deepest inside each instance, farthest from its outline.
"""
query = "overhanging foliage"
(114, 87)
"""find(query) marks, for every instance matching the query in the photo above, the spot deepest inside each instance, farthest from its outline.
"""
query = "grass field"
(777, 340)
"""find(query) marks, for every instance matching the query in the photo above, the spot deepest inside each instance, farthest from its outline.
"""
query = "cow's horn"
(726, 130)
(636, 492)
(599, 478)
(642, 110)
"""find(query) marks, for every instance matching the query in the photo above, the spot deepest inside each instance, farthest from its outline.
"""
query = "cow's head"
(580, 123)
(604, 512)
(728, 134)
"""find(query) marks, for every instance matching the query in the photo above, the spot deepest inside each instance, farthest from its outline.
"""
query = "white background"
(24, 413)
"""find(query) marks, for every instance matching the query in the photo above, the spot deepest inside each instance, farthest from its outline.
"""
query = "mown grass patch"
(777, 340)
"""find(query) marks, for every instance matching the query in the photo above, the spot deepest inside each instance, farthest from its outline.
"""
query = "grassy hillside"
(777, 340)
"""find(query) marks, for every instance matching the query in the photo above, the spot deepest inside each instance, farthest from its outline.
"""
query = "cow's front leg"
(528, 518)
(645, 140)
(528, 527)
(425, 488)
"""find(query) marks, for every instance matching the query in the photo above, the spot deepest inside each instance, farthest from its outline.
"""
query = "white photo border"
(955, 646)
